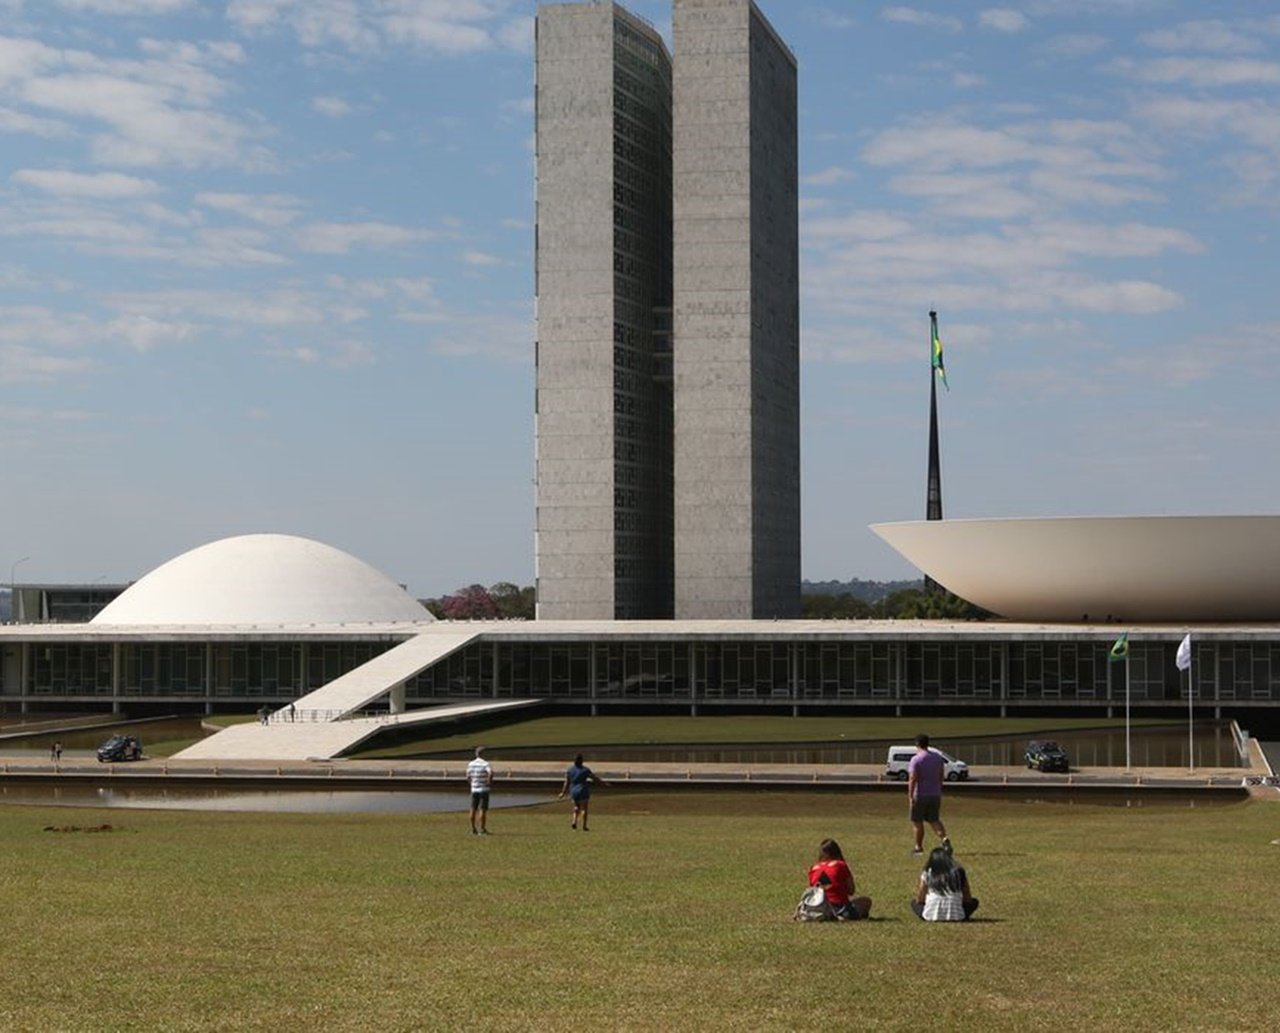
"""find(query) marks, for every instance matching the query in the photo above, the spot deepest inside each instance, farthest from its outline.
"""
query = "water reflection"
(1151, 747)
(292, 801)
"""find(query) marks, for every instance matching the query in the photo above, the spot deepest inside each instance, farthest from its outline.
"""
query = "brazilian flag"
(936, 345)
(1120, 651)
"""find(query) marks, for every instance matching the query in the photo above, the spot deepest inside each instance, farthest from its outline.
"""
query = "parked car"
(900, 758)
(120, 747)
(1047, 755)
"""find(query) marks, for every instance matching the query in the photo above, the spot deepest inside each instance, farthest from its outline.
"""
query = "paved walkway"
(623, 773)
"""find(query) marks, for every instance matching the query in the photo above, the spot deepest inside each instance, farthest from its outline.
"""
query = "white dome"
(263, 579)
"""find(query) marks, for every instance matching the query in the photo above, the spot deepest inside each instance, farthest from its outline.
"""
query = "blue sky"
(266, 265)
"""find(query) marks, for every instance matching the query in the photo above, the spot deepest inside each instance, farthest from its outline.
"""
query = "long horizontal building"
(269, 619)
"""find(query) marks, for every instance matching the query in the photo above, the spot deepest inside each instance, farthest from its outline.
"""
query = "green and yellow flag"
(937, 350)
(1120, 651)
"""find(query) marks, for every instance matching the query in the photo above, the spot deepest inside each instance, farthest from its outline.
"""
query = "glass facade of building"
(853, 670)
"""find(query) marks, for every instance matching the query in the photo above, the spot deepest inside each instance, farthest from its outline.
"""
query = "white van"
(900, 757)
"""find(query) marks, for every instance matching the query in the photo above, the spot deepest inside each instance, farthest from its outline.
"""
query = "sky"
(267, 265)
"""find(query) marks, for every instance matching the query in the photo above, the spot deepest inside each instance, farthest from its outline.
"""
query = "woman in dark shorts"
(577, 784)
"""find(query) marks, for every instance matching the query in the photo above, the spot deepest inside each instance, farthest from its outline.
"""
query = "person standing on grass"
(480, 775)
(943, 892)
(833, 874)
(577, 783)
(55, 751)
(924, 792)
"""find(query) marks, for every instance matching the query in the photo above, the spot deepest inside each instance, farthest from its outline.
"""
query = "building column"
(22, 676)
(208, 678)
(395, 698)
(117, 676)
(1004, 679)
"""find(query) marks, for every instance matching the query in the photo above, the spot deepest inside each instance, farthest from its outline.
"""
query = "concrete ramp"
(360, 687)
(319, 726)
(322, 740)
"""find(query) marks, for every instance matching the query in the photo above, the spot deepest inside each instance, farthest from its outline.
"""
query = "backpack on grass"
(813, 907)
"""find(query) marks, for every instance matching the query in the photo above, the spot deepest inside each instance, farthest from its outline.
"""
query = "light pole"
(13, 596)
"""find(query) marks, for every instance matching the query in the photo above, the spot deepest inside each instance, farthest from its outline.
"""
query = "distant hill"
(867, 591)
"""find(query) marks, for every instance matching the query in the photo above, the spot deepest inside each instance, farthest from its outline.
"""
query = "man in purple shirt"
(924, 791)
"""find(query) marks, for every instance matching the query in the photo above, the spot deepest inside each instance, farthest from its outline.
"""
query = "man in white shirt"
(480, 775)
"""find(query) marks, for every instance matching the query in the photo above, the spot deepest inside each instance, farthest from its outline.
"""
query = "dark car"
(120, 747)
(1046, 755)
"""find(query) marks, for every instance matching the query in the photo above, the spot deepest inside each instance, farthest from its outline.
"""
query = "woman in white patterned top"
(943, 892)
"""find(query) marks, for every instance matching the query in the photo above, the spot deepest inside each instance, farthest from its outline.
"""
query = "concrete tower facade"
(603, 409)
(737, 315)
(668, 315)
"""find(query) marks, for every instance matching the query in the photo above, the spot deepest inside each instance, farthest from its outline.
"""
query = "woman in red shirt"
(833, 875)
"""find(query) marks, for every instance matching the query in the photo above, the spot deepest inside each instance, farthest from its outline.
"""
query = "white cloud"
(231, 247)
(969, 195)
(1201, 71)
(334, 238)
(333, 107)
(83, 184)
(1003, 19)
(1254, 122)
(1208, 35)
(337, 355)
(516, 35)
(870, 225)
(21, 364)
(449, 27)
(924, 19)
(146, 128)
(829, 176)
(505, 339)
(155, 110)
(1075, 44)
(143, 333)
(22, 58)
(480, 258)
(123, 6)
(832, 19)
(267, 209)
(966, 80)
(17, 122)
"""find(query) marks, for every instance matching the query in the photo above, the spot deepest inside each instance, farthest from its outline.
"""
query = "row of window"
(1248, 672)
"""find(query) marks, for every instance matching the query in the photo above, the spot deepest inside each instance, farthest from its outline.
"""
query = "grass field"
(672, 914)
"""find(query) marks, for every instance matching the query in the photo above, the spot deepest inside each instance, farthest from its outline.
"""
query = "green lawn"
(574, 732)
(673, 913)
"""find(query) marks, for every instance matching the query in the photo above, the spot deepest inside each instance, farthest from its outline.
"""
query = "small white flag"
(1183, 659)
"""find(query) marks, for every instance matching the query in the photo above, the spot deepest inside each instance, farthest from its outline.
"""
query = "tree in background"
(822, 606)
(513, 602)
(905, 604)
(502, 601)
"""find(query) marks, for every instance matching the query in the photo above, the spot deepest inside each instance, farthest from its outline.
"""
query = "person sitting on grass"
(832, 873)
(943, 892)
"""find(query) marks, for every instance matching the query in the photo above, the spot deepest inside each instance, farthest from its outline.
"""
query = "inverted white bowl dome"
(263, 579)
(1159, 569)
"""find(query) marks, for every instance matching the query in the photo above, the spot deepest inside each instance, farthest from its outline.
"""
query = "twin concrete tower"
(667, 282)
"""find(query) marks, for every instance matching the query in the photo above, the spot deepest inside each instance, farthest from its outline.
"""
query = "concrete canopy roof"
(1132, 568)
(263, 579)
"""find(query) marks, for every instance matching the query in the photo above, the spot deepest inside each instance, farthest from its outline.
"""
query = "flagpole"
(1191, 738)
(933, 491)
